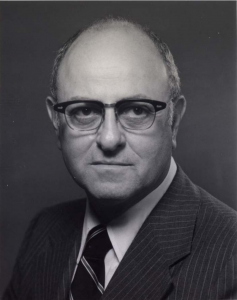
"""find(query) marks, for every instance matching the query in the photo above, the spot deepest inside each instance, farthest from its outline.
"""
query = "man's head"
(111, 61)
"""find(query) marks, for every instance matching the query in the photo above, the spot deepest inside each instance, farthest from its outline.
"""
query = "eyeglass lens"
(131, 115)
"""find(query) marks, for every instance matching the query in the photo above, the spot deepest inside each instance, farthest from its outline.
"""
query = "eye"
(137, 110)
(84, 111)
(134, 110)
(84, 115)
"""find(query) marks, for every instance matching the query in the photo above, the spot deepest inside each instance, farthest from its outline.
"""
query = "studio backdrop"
(201, 36)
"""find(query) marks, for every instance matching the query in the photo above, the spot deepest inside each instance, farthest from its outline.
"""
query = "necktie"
(88, 282)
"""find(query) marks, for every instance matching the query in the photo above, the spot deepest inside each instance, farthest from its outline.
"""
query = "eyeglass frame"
(61, 107)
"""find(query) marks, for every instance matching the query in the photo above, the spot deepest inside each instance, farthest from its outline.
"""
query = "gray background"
(201, 36)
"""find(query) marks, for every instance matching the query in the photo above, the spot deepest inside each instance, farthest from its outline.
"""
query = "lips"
(110, 163)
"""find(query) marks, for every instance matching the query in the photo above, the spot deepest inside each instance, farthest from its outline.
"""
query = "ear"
(53, 115)
(179, 110)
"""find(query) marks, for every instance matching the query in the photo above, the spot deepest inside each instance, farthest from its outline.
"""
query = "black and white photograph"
(118, 150)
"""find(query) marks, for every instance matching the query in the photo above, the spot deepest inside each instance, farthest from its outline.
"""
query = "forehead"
(111, 57)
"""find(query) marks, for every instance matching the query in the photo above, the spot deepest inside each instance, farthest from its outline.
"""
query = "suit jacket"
(185, 250)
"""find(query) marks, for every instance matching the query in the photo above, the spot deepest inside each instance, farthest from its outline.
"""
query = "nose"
(110, 136)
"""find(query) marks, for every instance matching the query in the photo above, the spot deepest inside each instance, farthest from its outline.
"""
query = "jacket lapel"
(164, 239)
(56, 264)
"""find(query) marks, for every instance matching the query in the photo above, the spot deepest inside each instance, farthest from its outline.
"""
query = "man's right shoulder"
(55, 222)
(52, 227)
(63, 211)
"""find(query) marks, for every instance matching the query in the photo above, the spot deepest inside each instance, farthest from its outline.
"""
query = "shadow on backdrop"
(201, 36)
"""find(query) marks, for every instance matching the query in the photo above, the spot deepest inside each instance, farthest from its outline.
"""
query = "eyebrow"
(134, 97)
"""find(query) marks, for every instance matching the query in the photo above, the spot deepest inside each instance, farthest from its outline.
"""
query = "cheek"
(153, 144)
(153, 151)
(75, 148)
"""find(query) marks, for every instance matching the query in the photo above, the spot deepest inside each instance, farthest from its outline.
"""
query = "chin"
(110, 194)
(109, 187)
(110, 201)
(109, 206)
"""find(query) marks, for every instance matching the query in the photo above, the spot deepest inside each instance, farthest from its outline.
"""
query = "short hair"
(173, 76)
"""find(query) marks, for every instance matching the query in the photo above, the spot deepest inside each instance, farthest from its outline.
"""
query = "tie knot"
(97, 243)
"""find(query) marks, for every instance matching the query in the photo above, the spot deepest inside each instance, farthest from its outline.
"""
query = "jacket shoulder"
(215, 220)
(211, 263)
(62, 212)
(55, 222)
(216, 216)
(215, 232)
(209, 207)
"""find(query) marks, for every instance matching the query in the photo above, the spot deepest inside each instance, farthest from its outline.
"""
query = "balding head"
(113, 55)
(115, 26)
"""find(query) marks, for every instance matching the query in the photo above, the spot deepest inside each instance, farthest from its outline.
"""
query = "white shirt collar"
(123, 229)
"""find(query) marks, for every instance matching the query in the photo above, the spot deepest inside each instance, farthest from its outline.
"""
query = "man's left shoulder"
(216, 214)
(210, 210)
(215, 222)
(215, 234)
(209, 271)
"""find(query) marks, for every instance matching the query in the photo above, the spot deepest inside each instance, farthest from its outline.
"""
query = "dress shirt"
(123, 229)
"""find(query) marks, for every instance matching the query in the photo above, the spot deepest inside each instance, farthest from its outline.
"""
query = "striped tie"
(88, 282)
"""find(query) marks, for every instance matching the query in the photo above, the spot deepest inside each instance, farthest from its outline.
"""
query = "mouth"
(110, 163)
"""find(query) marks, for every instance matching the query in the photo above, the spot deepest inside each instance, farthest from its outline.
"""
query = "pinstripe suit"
(186, 249)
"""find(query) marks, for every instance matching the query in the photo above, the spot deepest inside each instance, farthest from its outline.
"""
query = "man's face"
(116, 167)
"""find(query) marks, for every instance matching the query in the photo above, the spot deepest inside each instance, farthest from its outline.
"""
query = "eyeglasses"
(89, 115)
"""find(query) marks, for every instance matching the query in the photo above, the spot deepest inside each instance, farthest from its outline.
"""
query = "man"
(145, 230)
